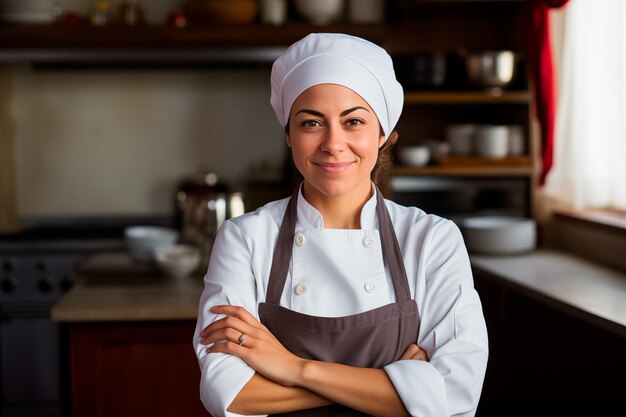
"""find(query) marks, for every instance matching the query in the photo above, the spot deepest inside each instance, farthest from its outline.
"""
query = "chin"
(336, 188)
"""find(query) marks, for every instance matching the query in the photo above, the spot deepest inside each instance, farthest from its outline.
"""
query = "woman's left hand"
(242, 335)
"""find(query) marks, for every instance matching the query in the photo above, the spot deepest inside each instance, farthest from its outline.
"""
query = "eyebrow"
(320, 114)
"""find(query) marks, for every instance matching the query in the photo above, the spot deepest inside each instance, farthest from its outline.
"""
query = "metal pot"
(421, 71)
(489, 69)
(203, 203)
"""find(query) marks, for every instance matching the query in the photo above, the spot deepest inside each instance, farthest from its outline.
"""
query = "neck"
(340, 212)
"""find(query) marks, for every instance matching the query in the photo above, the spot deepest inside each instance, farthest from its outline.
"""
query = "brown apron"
(371, 339)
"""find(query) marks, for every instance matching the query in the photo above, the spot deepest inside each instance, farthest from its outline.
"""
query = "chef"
(336, 301)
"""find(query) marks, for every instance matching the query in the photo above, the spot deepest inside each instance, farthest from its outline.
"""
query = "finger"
(420, 355)
(223, 334)
(245, 316)
(227, 322)
(410, 351)
(226, 310)
(236, 311)
(227, 347)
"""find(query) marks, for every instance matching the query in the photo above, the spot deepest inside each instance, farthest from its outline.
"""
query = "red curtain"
(539, 48)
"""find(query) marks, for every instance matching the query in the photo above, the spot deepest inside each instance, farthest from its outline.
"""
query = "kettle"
(203, 203)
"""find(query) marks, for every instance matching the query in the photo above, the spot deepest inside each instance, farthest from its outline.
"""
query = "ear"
(393, 137)
(381, 141)
(288, 140)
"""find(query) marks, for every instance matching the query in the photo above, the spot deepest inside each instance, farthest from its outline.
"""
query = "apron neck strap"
(391, 250)
(282, 251)
(284, 245)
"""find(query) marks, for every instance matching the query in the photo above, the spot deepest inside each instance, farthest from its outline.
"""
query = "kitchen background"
(117, 142)
(101, 146)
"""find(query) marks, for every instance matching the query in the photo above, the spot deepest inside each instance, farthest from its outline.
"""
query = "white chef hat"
(332, 58)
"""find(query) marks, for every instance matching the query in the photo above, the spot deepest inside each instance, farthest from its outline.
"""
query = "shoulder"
(263, 219)
(411, 216)
(413, 223)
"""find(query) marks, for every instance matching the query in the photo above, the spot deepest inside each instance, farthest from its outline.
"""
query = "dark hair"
(380, 173)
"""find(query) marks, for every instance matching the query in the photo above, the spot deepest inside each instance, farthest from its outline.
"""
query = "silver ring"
(242, 338)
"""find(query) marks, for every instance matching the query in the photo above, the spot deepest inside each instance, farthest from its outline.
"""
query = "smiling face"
(334, 135)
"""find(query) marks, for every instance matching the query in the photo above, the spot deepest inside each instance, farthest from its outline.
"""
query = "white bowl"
(492, 141)
(320, 12)
(460, 137)
(415, 156)
(499, 234)
(366, 11)
(142, 241)
(177, 261)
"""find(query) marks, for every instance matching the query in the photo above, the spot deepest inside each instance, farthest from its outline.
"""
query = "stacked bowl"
(499, 234)
(142, 241)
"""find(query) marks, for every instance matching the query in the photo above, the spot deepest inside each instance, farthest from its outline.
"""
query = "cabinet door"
(134, 369)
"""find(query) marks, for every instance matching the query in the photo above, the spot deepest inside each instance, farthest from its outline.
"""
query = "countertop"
(111, 287)
(584, 289)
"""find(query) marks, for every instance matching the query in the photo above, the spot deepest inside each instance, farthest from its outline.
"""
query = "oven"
(33, 277)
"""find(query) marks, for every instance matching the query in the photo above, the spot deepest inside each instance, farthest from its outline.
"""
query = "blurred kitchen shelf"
(59, 43)
(482, 161)
(465, 170)
(467, 97)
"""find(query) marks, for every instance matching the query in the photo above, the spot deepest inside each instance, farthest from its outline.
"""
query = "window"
(589, 168)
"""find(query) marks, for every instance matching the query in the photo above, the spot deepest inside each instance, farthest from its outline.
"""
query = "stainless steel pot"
(203, 204)
(489, 69)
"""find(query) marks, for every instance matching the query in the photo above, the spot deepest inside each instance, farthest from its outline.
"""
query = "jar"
(100, 14)
(131, 13)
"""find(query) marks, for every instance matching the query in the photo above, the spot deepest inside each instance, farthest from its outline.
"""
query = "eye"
(354, 122)
(310, 123)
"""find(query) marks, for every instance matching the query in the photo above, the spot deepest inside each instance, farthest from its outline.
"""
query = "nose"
(333, 141)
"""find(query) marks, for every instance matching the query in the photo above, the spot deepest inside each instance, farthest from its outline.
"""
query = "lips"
(334, 167)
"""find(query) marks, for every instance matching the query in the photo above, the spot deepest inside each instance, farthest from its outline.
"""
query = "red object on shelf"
(71, 18)
(177, 18)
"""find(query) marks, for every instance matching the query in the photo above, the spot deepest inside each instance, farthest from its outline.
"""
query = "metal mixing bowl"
(490, 69)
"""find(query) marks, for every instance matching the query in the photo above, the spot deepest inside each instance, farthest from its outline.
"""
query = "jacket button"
(368, 242)
(369, 287)
(299, 238)
(301, 289)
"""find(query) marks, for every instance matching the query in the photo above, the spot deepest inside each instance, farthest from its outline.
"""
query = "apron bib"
(371, 339)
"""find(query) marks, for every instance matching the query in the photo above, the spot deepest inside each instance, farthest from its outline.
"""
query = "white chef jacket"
(337, 272)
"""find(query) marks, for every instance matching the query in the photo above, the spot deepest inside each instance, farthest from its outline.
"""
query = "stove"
(36, 269)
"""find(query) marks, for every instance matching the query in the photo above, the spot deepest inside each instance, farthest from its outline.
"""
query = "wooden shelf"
(519, 161)
(467, 97)
(58, 43)
(464, 170)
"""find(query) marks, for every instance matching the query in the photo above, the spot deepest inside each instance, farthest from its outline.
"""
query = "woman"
(336, 301)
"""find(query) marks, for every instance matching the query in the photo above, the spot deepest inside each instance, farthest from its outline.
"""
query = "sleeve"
(229, 280)
(452, 331)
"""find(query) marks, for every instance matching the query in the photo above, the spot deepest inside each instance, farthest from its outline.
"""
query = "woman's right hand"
(242, 335)
(415, 352)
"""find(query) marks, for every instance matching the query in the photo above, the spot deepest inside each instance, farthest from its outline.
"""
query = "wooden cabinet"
(134, 369)
(546, 361)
